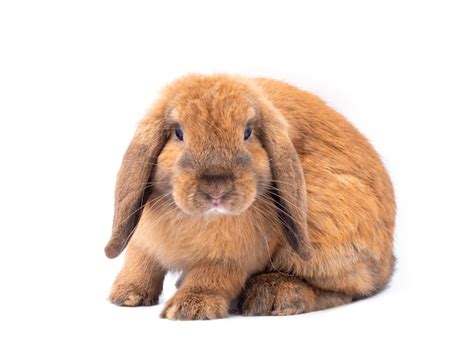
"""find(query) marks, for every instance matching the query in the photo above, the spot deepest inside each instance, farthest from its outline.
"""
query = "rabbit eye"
(178, 131)
(247, 132)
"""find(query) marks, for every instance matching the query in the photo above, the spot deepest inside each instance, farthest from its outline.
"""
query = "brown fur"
(309, 206)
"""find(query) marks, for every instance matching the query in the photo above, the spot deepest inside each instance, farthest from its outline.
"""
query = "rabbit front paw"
(195, 304)
(132, 296)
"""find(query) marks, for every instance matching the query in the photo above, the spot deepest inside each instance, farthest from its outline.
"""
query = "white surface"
(76, 77)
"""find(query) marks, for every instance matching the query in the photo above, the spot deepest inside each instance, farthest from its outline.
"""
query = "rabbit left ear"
(289, 185)
(131, 190)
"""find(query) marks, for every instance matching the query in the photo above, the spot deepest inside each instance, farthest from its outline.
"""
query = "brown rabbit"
(259, 193)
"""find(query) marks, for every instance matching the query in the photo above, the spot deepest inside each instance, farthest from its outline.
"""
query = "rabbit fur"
(296, 217)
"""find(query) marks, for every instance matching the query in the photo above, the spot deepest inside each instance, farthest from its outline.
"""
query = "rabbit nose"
(216, 201)
(215, 187)
(216, 198)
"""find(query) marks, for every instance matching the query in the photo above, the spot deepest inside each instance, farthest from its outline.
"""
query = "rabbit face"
(213, 162)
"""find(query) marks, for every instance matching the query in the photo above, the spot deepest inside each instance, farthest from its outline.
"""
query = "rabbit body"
(308, 224)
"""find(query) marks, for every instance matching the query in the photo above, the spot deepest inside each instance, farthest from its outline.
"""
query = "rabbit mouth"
(217, 210)
(230, 204)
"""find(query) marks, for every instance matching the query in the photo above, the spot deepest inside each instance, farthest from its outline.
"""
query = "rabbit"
(262, 195)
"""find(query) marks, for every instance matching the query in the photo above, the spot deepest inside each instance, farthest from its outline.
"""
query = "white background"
(75, 77)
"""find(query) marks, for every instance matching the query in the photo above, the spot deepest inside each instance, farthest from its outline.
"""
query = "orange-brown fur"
(340, 206)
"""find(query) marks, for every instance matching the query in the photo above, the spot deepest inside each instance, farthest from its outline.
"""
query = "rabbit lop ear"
(289, 185)
(132, 190)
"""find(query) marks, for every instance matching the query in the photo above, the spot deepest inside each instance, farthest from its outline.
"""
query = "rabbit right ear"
(132, 190)
(289, 182)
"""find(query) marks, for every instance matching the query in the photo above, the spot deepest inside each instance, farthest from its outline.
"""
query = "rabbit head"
(211, 145)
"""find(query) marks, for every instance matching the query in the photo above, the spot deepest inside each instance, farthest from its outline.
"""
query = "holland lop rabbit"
(263, 197)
